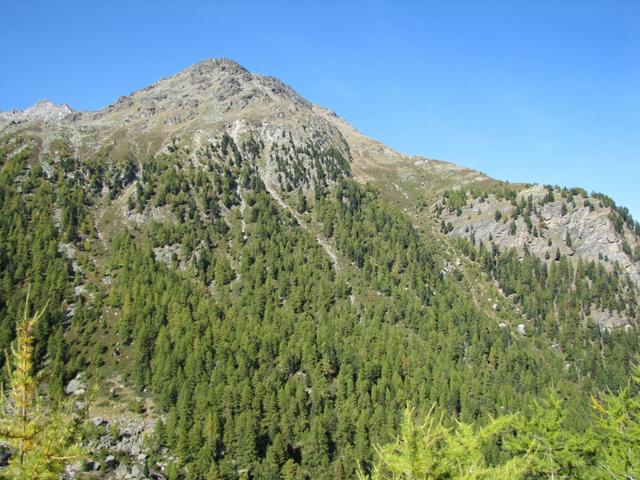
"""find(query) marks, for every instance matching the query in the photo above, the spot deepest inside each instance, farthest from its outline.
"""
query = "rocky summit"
(257, 290)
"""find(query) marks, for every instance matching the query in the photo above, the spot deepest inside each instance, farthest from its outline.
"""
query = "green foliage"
(556, 450)
(455, 199)
(557, 297)
(618, 429)
(43, 438)
(432, 451)
(29, 253)
(538, 444)
(620, 216)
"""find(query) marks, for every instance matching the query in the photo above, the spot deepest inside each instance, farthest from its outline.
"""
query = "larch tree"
(43, 438)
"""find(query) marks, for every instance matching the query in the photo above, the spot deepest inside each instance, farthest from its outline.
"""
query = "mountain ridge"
(226, 72)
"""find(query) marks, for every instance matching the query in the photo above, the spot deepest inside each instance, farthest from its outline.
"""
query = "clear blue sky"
(525, 91)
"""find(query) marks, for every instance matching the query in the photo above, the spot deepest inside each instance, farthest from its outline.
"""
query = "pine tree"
(43, 438)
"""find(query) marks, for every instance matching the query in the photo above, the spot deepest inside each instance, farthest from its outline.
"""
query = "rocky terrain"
(216, 96)
(44, 110)
(579, 226)
(117, 437)
(195, 107)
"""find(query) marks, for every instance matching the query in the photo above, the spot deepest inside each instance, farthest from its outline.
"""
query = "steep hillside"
(260, 289)
(551, 223)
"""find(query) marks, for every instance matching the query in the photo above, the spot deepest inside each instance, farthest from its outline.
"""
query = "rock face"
(121, 443)
(551, 223)
(76, 386)
(579, 226)
(44, 110)
(5, 456)
(110, 462)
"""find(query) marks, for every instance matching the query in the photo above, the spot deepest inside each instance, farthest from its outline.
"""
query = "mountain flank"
(258, 290)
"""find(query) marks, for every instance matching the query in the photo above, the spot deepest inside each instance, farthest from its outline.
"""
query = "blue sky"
(524, 91)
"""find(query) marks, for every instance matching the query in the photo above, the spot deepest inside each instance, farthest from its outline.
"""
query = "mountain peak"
(42, 110)
(46, 109)
(220, 64)
(210, 91)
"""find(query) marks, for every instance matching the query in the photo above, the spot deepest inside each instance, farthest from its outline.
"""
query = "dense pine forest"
(265, 357)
